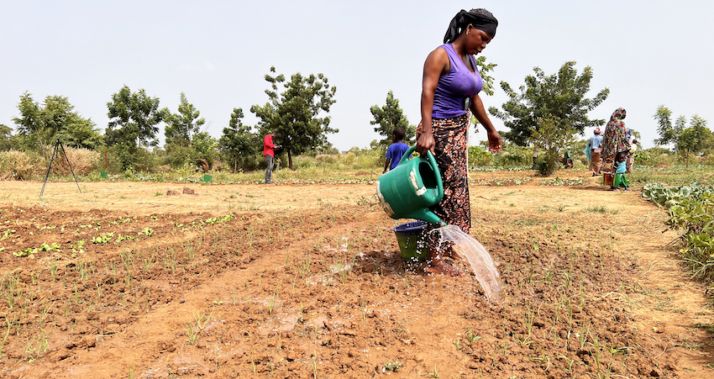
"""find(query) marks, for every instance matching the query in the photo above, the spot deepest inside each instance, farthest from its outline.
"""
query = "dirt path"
(589, 290)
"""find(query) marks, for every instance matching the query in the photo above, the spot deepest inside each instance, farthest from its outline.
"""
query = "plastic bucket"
(409, 239)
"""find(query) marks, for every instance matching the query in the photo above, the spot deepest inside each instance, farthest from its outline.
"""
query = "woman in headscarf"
(614, 141)
(450, 88)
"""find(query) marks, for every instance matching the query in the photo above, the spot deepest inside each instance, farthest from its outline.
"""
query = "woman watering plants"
(450, 87)
(613, 142)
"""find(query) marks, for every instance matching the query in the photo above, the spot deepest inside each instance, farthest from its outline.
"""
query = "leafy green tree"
(551, 135)
(181, 129)
(238, 141)
(181, 126)
(562, 96)
(664, 126)
(133, 120)
(389, 117)
(6, 140)
(694, 139)
(297, 111)
(205, 147)
(485, 69)
(40, 125)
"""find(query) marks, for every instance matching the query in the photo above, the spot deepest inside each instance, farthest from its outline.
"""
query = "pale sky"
(647, 52)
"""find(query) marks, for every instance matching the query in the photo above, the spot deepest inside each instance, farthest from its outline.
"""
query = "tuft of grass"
(392, 366)
(194, 328)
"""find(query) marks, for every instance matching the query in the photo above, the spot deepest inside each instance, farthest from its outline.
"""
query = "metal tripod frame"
(55, 151)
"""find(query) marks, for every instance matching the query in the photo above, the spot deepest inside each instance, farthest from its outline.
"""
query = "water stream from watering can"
(476, 255)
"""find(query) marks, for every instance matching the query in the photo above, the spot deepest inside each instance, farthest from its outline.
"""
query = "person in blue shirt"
(594, 148)
(395, 150)
(620, 171)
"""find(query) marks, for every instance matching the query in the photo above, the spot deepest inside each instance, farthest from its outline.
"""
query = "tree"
(205, 147)
(5, 138)
(133, 120)
(296, 111)
(485, 69)
(390, 117)
(238, 141)
(40, 125)
(561, 96)
(693, 139)
(181, 126)
(551, 135)
(181, 130)
(664, 126)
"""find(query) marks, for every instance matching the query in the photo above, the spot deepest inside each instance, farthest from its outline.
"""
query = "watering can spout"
(428, 216)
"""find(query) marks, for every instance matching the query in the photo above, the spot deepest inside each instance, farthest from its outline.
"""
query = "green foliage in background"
(389, 117)
(6, 138)
(39, 125)
(695, 139)
(297, 111)
(561, 96)
(239, 144)
(691, 210)
(133, 120)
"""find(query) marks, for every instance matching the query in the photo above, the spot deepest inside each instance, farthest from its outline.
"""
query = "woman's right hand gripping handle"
(425, 139)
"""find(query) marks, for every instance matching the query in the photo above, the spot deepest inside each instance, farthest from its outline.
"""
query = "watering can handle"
(439, 184)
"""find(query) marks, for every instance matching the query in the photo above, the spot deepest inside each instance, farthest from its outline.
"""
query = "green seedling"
(103, 238)
(471, 336)
(78, 247)
(7, 234)
(219, 220)
(147, 231)
(194, 328)
(45, 247)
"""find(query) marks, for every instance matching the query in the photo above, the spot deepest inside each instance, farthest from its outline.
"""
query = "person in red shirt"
(269, 154)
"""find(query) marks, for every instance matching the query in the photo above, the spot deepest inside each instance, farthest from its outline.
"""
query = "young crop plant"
(7, 234)
(194, 328)
(392, 366)
(78, 248)
(103, 238)
(45, 247)
(219, 220)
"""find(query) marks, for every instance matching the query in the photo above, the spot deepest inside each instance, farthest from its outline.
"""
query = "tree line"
(547, 112)
(297, 112)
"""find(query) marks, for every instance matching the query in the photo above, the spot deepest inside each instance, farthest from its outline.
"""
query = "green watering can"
(411, 188)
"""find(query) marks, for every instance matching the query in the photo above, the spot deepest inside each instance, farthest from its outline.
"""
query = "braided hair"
(479, 18)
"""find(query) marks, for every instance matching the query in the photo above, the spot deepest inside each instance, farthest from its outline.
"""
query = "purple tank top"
(455, 87)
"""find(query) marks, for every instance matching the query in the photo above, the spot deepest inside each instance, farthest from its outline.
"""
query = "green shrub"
(547, 163)
(655, 157)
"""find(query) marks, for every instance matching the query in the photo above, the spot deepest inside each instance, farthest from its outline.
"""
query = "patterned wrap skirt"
(451, 138)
